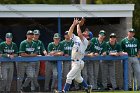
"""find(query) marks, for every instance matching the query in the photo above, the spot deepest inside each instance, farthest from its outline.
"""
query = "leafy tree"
(136, 16)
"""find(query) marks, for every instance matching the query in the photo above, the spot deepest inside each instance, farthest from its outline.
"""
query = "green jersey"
(8, 49)
(113, 48)
(53, 47)
(67, 46)
(89, 48)
(40, 46)
(130, 46)
(28, 47)
(98, 47)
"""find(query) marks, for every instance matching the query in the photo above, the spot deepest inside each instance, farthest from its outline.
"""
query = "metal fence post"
(59, 69)
(125, 72)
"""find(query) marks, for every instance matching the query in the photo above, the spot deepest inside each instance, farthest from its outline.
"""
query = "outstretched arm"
(75, 22)
(79, 32)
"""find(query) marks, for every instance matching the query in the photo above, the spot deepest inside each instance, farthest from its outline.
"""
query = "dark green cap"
(9, 35)
(56, 35)
(113, 35)
(29, 32)
(102, 32)
(36, 32)
(132, 30)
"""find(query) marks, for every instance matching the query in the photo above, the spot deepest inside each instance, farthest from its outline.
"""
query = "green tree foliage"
(136, 15)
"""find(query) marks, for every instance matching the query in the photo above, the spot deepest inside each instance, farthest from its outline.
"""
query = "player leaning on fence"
(131, 45)
(7, 49)
(28, 48)
(108, 66)
(55, 48)
(99, 46)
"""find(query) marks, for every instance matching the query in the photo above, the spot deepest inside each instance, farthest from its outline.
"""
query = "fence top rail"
(60, 58)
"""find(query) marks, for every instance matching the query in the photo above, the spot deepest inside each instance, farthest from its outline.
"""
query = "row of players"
(32, 46)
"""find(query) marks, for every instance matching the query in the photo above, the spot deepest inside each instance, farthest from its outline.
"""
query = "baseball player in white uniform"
(78, 52)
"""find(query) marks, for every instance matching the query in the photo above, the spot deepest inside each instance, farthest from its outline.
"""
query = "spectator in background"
(55, 48)
(8, 49)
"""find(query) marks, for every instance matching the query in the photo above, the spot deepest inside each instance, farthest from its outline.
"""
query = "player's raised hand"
(75, 21)
(82, 21)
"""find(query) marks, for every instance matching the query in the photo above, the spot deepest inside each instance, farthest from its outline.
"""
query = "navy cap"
(90, 35)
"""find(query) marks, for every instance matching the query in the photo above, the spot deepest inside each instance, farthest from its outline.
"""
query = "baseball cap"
(113, 35)
(102, 32)
(9, 35)
(56, 35)
(29, 32)
(66, 33)
(90, 35)
(132, 30)
(36, 32)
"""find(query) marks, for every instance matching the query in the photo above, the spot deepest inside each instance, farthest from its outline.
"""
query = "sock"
(84, 84)
(67, 86)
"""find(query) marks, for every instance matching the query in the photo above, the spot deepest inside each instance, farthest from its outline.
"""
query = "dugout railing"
(59, 60)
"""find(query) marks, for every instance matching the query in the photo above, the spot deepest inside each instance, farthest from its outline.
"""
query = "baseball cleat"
(88, 89)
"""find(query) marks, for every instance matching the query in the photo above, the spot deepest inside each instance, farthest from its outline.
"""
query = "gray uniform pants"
(66, 68)
(22, 68)
(35, 83)
(96, 71)
(133, 67)
(7, 69)
(87, 72)
(50, 70)
(108, 72)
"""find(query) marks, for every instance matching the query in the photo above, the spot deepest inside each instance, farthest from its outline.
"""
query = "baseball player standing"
(108, 67)
(131, 45)
(55, 48)
(99, 46)
(7, 49)
(41, 51)
(78, 52)
(28, 48)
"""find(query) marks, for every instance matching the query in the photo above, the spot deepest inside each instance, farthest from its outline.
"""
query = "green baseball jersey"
(89, 48)
(113, 48)
(98, 47)
(8, 49)
(40, 46)
(53, 47)
(130, 46)
(67, 46)
(1, 40)
(28, 47)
